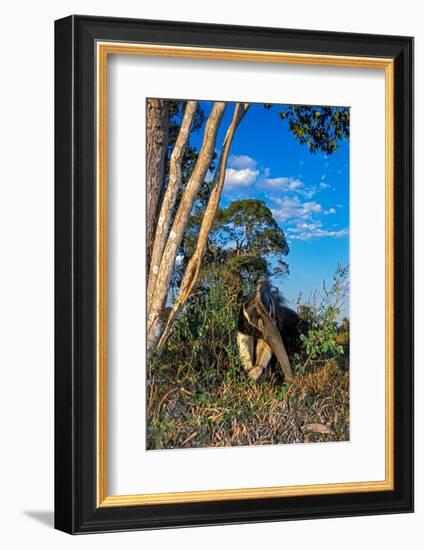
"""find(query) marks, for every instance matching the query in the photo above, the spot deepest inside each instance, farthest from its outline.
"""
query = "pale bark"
(168, 202)
(157, 131)
(158, 300)
(193, 268)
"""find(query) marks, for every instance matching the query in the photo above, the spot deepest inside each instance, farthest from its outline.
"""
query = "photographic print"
(248, 273)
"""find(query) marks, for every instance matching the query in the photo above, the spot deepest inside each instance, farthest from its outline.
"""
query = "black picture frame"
(76, 509)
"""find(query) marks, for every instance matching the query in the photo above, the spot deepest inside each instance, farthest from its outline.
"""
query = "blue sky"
(307, 193)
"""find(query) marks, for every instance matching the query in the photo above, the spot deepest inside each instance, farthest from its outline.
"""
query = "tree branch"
(173, 242)
(193, 268)
(157, 143)
(168, 203)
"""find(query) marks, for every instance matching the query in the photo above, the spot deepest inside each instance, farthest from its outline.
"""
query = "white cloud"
(291, 184)
(323, 185)
(242, 171)
(329, 211)
(242, 177)
(288, 184)
(301, 227)
(292, 208)
(320, 233)
(282, 183)
(241, 161)
(310, 207)
(308, 231)
(308, 192)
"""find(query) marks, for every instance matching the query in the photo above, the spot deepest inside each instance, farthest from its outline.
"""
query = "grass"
(227, 409)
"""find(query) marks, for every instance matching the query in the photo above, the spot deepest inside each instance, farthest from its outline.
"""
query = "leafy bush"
(322, 339)
(204, 335)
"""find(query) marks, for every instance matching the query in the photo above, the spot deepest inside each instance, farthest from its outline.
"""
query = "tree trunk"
(168, 201)
(163, 280)
(157, 129)
(193, 268)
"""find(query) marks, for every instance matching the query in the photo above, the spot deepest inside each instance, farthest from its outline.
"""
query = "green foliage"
(319, 128)
(246, 243)
(343, 337)
(204, 335)
(250, 228)
(322, 339)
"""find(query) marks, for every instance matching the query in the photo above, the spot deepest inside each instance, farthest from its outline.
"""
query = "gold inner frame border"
(103, 50)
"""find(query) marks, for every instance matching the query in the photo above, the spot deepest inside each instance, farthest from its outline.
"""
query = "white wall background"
(26, 272)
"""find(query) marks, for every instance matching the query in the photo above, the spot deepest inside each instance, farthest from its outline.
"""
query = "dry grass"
(214, 409)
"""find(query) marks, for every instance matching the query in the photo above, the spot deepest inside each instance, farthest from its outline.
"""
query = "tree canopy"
(246, 243)
(319, 128)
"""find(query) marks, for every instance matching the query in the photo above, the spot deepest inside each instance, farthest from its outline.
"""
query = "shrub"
(322, 338)
(204, 334)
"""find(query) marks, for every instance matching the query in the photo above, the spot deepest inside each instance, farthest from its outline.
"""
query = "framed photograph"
(234, 274)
